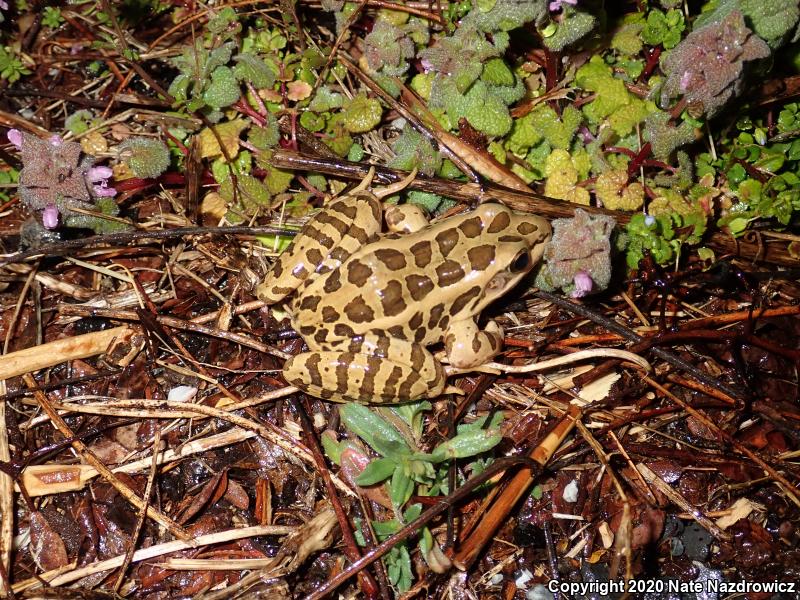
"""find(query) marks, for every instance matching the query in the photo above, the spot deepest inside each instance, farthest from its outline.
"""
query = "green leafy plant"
(146, 157)
(407, 471)
(51, 17)
(11, 67)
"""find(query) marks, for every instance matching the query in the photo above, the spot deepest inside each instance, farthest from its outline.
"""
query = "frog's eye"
(521, 262)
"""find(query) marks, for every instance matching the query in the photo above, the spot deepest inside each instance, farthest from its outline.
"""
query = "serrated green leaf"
(496, 72)
(253, 69)
(362, 114)
(223, 89)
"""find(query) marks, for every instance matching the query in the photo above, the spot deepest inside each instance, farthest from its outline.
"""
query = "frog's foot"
(395, 187)
(374, 370)
(467, 347)
(405, 218)
(365, 183)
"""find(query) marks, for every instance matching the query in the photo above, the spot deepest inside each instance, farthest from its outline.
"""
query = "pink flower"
(50, 216)
(55, 140)
(102, 190)
(96, 174)
(559, 4)
(3, 5)
(100, 176)
(583, 284)
(15, 135)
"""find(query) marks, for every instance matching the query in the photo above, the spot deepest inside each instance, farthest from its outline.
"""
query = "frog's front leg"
(374, 369)
(324, 243)
(467, 346)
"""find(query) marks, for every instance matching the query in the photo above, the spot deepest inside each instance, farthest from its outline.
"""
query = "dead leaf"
(46, 547)
(229, 135)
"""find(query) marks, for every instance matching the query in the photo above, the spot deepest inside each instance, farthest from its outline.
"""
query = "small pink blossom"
(96, 174)
(559, 4)
(102, 190)
(3, 5)
(15, 135)
(50, 216)
(583, 284)
(55, 140)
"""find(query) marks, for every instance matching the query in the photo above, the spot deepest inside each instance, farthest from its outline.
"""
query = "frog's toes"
(395, 187)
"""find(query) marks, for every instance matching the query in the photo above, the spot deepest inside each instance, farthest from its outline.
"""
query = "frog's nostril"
(521, 262)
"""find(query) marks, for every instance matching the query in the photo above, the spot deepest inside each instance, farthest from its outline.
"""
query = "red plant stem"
(651, 64)
(244, 108)
(639, 159)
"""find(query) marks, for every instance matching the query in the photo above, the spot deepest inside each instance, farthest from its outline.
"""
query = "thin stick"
(46, 355)
(148, 490)
(6, 500)
(496, 514)
(58, 577)
(91, 458)
(526, 201)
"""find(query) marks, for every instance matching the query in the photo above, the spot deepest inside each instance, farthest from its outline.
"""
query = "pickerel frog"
(369, 303)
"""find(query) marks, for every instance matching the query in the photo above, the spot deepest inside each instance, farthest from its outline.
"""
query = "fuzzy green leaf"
(362, 114)
(223, 89)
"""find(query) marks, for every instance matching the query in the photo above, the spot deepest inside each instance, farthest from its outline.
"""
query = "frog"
(370, 303)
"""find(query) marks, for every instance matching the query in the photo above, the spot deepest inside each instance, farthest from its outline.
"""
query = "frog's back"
(410, 286)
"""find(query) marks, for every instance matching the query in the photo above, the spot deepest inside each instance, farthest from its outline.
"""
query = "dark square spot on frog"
(392, 299)
(436, 314)
(394, 378)
(358, 273)
(480, 257)
(415, 321)
(306, 330)
(527, 228)
(509, 238)
(419, 334)
(314, 256)
(476, 344)
(276, 271)
(343, 331)
(419, 286)
(343, 208)
(358, 234)
(393, 259)
(310, 302)
(358, 311)
(312, 368)
(463, 299)
(321, 335)
(447, 240)
(333, 282)
(397, 331)
(339, 254)
(499, 223)
(472, 227)
(449, 272)
(422, 253)
(337, 224)
(417, 358)
(329, 315)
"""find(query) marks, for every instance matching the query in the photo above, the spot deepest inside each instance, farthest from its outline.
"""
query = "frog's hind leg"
(334, 233)
(375, 369)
